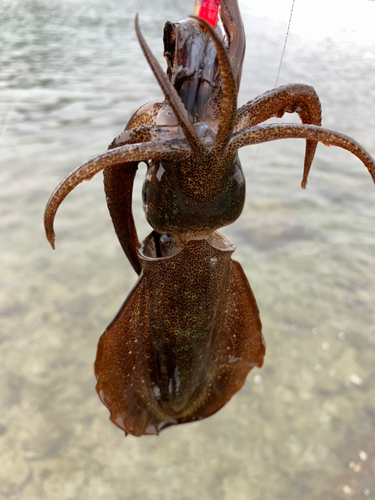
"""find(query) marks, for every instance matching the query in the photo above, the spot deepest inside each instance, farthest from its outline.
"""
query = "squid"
(188, 334)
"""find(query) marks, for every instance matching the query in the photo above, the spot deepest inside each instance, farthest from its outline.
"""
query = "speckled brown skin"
(297, 98)
(178, 350)
(118, 186)
(189, 332)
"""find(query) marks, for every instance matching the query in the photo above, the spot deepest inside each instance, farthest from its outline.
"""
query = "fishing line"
(286, 39)
(278, 73)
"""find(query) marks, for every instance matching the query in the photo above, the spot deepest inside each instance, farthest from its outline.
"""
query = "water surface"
(303, 426)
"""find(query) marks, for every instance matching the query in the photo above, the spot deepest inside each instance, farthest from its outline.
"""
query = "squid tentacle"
(118, 187)
(86, 171)
(229, 96)
(272, 132)
(146, 114)
(145, 133)
(296, 98)
(135, 135)
(233, 26)
(171, 95)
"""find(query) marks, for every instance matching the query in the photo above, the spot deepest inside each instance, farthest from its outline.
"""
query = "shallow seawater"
(302, 427)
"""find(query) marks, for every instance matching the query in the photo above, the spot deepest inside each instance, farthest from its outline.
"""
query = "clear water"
(303, 427)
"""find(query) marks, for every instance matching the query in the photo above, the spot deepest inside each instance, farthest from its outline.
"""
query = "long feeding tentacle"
(85, 172)
(229, 97)
(118, 186)
(297, 98)
(231, 18)
(266, 133)
(171, 95)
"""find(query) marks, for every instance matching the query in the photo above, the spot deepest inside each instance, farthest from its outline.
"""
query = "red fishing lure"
(207, 10)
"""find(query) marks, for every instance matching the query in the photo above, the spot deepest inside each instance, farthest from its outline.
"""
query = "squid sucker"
(189, 332)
